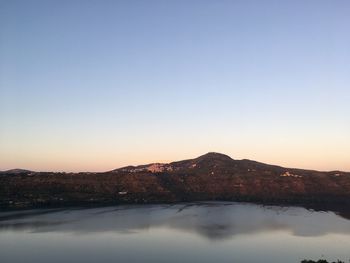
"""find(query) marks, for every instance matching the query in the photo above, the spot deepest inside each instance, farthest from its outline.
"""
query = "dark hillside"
(212, 176)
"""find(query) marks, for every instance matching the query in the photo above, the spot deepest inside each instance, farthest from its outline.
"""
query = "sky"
(93, 85)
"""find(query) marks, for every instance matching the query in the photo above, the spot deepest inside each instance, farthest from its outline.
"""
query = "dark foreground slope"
(212, 176)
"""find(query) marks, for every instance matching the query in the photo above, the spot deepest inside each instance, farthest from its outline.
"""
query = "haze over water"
(192, 232)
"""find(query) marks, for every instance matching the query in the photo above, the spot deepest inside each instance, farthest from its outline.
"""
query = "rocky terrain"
(212, 176)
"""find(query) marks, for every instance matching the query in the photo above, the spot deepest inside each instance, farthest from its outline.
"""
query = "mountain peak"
(16, 171)
(214, 156)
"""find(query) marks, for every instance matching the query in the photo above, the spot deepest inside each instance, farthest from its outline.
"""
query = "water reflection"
(213, 221)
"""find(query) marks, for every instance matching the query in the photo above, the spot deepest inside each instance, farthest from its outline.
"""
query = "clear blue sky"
(94, 85)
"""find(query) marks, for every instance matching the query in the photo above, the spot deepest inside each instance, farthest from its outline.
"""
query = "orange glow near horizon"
(100, 162)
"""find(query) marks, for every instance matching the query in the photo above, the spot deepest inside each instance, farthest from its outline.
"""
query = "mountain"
(16, 171)
(212, 176)
(208, 163)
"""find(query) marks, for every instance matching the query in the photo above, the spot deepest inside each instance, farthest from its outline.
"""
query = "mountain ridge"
(206, 157)
(217, 156)
(15, 171)
(212, 176)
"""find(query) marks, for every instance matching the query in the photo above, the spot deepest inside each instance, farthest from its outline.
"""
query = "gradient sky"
(95, 85)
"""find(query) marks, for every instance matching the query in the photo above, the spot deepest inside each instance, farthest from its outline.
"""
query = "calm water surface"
(193, 232)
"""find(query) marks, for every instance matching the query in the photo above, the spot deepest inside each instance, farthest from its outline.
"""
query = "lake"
(190, 232)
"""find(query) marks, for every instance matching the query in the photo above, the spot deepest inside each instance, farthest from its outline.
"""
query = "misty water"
(191, 232)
